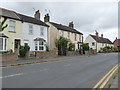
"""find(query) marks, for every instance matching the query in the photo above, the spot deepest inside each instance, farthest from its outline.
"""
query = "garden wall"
(46, 54)
(72, 53)
(9, 56)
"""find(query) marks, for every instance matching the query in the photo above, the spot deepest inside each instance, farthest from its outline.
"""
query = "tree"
(62, 44)
(2, 26)
(85, 46)
(71, 46)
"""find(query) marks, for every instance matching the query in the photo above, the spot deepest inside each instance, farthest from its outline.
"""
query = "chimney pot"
(37, 15)
(47, 18)
(102, 35)
(71, 25)
(97, 34)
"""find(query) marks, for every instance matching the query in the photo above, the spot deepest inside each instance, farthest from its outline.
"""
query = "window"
(12, 26)
(93, 43)
(75, 36)
(62, 33)
(30, 29)
(36, 46)
(79, 37)
(3, 44)
(42, 31)
(102, 44)
(25, 44)
(68, 35)
(39, 45)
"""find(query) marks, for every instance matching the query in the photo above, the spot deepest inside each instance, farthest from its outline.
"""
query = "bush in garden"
(62, 45)
(85, 46)
(23, 50)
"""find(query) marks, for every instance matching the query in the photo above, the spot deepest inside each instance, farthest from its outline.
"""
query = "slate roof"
(29, 19)
(13, 15)
(3, 35)
(65, 28)
(101, 39)
(8, 14)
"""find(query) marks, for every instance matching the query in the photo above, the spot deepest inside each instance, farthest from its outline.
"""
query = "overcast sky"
(87, 16)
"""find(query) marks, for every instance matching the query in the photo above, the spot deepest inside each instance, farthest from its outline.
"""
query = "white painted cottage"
(34, 32)
(97, 42)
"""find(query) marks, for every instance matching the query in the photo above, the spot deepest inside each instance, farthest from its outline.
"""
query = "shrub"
(85, 46)
(47, 48)
(23, 50)
(71, 47)
(62, 44)
(3, 52)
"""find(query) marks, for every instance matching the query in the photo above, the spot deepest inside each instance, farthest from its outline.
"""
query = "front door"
(17, 43)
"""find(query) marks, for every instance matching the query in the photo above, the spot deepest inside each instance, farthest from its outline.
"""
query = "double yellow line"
(101, 84)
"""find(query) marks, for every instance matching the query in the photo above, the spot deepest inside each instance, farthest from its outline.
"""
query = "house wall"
(116, 43)
(52, 36)
(28, 38)
(72, 37)
(12, 35)
(89, 40)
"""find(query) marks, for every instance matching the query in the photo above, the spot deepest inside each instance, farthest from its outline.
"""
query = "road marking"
(104, 83)
(18, 74)
(12, 75)
(104, 77)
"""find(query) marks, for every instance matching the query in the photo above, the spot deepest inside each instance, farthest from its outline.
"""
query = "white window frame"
(4, 45)
(68, 35)
(38, 45)
(12, 26)
(75, 36)
(41, 31)
(30, 29)
(62, 33)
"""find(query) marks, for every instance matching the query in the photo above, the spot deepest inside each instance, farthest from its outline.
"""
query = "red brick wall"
(116, 43)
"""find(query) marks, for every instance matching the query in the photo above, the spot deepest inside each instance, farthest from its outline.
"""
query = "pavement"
(42, 60)
(114, 82)
(67, 72)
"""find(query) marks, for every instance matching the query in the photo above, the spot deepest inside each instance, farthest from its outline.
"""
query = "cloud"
(102, 16)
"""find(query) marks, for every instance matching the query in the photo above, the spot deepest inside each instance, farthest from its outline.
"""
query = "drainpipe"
(96, 46)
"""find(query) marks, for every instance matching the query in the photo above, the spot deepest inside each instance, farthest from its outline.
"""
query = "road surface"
(76, 73)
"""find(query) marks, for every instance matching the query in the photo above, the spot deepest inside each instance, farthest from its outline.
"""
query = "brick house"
(116, 43)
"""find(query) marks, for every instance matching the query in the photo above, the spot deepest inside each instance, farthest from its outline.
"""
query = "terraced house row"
(26, 30)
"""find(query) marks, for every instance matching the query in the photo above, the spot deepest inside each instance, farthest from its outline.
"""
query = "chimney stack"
(37, 15)
(71, 25)
(97, 34)
(102, 35)
(47, 18)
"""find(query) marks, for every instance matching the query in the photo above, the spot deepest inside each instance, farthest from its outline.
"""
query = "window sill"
(12, 31)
